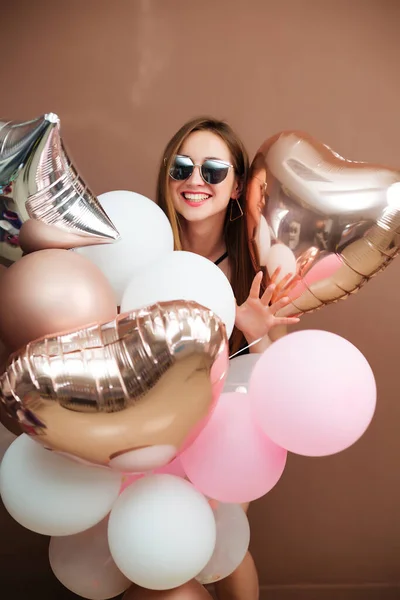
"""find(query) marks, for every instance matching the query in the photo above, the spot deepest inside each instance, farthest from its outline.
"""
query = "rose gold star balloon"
(128, 394)
(329, 224)
(44, 203)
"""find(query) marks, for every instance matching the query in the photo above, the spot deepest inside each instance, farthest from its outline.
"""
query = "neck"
(204, 237)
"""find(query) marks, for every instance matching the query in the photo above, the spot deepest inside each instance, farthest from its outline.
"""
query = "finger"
(255, 286)
(295, 294)
(280, 286)
(286, 320)
(292, 288)
(284, 281)
(275, 275)
(277, 306)
(296, 279)
(267, 295)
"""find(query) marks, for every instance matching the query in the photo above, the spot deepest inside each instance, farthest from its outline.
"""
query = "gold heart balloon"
(331, 222)
(44, 203)
(127, 394)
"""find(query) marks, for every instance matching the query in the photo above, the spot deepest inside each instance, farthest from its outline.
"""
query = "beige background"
(123, 76)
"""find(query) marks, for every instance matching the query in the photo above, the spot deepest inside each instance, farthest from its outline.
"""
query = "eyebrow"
(207, 158)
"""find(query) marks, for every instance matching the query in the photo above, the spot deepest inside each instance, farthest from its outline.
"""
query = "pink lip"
(191, 202)
(195, 204)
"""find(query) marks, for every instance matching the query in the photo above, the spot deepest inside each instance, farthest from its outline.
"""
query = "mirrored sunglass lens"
(214, 172)
(181, 168)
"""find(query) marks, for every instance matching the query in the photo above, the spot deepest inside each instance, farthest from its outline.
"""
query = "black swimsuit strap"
(221, 258)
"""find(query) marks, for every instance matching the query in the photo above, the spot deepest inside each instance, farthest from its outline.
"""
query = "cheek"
(224, 192)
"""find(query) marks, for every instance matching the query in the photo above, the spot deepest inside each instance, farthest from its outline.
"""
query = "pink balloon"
(232, 460)
(128, 479)
(313, 393)
(218, 373)
(175, 467)
(323, 269)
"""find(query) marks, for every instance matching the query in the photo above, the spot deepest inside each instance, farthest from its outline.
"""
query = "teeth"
(196, 197)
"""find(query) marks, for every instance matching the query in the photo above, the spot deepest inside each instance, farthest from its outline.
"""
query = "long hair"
(235, 231)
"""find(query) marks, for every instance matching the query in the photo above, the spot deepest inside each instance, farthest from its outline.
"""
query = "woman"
(201, 188)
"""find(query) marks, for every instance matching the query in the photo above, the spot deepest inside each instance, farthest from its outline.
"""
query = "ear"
(237, 189)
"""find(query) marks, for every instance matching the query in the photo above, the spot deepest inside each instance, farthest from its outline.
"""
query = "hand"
(256, 317)
(281, 290)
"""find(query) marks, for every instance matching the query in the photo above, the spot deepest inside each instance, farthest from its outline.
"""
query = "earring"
(231, 217)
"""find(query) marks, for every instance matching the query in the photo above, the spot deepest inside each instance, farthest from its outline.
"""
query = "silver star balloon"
(44, 203)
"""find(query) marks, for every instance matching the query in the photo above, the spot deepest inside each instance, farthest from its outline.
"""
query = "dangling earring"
(240, 215)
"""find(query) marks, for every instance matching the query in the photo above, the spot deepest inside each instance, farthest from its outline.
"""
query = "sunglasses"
(212, 170)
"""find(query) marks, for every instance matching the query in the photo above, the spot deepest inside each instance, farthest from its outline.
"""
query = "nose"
(196, 178)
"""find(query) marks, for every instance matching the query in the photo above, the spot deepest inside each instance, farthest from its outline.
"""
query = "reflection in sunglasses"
(212, 171)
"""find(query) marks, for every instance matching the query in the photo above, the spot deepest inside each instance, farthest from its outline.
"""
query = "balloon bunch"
(96, 394)
(134, 456)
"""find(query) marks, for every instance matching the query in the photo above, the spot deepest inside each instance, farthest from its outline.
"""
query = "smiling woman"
(202, 190)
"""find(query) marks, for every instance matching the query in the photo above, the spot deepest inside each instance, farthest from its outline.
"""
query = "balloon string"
(245, 348)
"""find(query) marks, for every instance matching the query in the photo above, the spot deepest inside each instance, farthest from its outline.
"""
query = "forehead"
(204, 144)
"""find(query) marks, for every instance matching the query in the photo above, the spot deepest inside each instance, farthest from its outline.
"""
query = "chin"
(200, 213)
(196, 217)
(194, 214)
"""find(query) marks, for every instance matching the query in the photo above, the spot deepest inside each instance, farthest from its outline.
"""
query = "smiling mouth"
(195, 198)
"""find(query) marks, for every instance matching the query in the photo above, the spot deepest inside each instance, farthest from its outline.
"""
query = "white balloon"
(183, 276)
(281, 256)
(233, 538)
(51, 494)
(161, 532)
(83, 564)
(240, 369)
(146, 236)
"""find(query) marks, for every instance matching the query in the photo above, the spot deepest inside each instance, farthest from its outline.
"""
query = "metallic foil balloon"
(331, 222)
(129, 393)
(8, 422)
(44, 203)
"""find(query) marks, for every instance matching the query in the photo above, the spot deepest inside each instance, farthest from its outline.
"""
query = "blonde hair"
(235, 231)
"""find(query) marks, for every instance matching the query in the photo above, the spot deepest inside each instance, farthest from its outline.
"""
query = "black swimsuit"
(221, 258)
